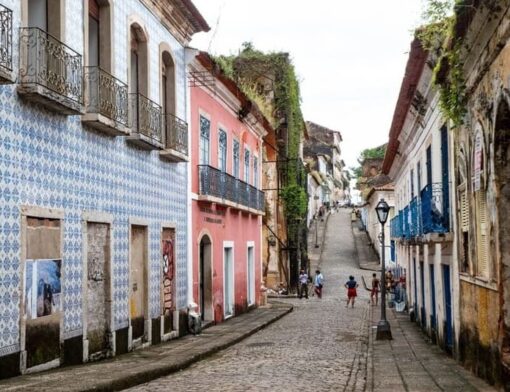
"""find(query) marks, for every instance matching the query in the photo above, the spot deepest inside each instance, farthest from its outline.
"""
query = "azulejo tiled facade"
(55, 162)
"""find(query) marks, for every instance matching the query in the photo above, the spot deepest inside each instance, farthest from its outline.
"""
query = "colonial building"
(418, 160)
(94, 179)
(481, 197)
(228, 134)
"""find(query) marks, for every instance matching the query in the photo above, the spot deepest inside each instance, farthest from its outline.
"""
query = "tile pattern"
(53, 161)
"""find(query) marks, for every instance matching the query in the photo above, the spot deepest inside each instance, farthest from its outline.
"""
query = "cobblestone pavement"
(320, 346)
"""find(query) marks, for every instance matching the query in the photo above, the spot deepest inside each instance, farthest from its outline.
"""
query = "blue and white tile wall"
(53, 161)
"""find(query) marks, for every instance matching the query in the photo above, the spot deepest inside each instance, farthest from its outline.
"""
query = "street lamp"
(383, 326)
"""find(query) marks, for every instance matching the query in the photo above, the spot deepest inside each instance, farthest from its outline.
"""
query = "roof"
(247, 105)
(414, 69)
(384, 188)
(316, 129)
(200, 23)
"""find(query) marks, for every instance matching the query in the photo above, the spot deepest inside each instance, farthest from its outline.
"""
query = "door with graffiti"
(168, 278)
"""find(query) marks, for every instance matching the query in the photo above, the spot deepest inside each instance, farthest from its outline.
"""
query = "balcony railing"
(424, 215)
(415, 217)
(435, 217)
(146, 122)
(52, 65)
(214, 182)
(176, 134)
(106, 96)
(5, 38)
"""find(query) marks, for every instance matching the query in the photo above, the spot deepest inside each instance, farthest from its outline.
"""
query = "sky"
(350, 56)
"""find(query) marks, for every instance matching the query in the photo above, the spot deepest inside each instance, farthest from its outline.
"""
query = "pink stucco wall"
(230, 224)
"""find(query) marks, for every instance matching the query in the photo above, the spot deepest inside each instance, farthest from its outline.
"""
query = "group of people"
(318, 283)
(351, 285)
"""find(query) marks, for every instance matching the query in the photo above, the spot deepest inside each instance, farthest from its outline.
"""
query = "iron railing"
(107, 95)
(434, 215)
(396, 226)
(47, 62)
(406, 224)
(214, 182)
(5, 38)
(176, 133)
(146, 117)
(415, 218)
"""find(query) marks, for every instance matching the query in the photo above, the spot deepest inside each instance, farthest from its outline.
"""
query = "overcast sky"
(349, 55)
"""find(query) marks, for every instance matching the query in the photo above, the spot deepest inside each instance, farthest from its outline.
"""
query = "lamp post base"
(383, 331)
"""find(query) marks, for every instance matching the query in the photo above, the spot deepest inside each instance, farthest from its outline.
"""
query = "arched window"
(138, 61)
(167, 83)
(98, 24)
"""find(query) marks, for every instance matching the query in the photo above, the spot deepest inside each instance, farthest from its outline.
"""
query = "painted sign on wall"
(168, 260)
(42, 287)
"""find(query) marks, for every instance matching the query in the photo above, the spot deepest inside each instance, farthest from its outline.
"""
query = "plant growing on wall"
(437, 38)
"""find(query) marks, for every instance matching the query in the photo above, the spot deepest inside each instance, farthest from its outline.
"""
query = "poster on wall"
(42, 287)
(168, 261)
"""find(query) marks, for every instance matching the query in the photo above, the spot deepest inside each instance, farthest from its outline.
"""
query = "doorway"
(448, 327)
(138, 290)
(98, 289)
(205, 270)
(250, 275)
(228, 280)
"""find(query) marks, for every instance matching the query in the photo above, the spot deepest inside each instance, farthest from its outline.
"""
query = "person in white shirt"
(303, 284)
(319, 281)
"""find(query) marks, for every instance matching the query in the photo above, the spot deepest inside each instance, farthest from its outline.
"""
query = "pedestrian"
(319, 281)
(303, 284)
(375, 289)
(351, 286)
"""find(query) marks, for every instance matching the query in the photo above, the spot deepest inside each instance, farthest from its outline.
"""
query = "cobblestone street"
(320, 346)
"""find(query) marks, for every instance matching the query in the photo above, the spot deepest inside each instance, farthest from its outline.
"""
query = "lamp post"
(383, 326)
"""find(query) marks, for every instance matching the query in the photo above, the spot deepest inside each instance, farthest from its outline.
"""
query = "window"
(99, 34)
(247, 166)
(418, 173)
(167, 82)
(236, 155)
(93, 58)
(205, 126)
(222, 150)
(255, 172)
(412, 184)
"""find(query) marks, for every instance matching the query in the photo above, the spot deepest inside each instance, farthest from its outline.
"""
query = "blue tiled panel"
(51, 161)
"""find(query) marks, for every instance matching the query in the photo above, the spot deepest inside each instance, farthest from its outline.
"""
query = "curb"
(161, 369)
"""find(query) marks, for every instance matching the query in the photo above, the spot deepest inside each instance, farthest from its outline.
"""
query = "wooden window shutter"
(482, 234)
(464, 211)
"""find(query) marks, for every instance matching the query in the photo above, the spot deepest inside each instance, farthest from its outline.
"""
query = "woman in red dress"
(351, 286)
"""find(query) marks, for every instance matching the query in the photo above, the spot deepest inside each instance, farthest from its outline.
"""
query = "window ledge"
(479, 281)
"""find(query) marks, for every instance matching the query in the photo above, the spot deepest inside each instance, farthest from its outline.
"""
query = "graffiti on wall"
(42, 287)
(168, 261)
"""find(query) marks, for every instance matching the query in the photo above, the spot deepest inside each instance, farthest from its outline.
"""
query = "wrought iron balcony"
(221, 187)
(146, 123)
(396, 226)
(6, 74)
(106, 102)
(176, 139)
(415, 218)
(50, 73)
(434, 212)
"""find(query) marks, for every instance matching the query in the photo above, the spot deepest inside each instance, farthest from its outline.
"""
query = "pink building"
(227, 132)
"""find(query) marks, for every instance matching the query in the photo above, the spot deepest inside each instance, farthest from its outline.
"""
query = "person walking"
(319, 281)
(303, 284)
(351, 286)
(376, 286)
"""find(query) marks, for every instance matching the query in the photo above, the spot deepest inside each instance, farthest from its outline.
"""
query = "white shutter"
(464, 211)
(482, 229)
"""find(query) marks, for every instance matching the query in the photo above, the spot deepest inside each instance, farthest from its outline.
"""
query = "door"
(422, 305)
(168, 278)
(432, 298)
(445, 178)
(138, 296)
(251, 276)
(448, 327)
(43, 291)
(205, 279)
(415, 297)
(98, 288)
(228, 279)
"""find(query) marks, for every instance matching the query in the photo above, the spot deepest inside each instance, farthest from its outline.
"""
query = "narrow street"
(320, 346)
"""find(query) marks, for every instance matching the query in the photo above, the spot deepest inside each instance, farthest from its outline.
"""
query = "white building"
(418, 160)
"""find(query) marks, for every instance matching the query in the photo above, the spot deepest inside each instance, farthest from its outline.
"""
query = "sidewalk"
(316, 237)
(367, 257)
(410, 363)
(141, 366)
